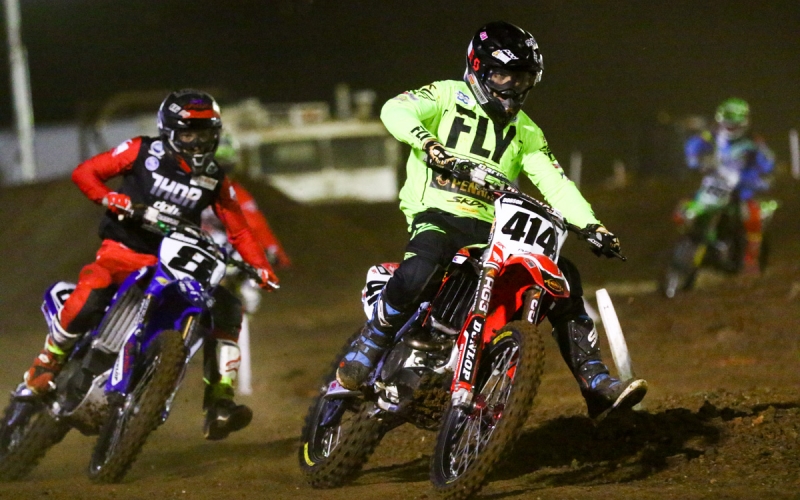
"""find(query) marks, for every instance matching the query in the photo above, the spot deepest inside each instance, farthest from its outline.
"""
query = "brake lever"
(598, 247)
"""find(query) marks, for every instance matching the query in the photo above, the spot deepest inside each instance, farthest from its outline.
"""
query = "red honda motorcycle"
(467, 364)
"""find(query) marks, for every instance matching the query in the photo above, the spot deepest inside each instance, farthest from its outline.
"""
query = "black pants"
(435, 239)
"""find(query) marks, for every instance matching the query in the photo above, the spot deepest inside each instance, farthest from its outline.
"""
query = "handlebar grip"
(588, 236)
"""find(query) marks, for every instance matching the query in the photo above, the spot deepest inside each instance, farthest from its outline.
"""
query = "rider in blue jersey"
(734, 159)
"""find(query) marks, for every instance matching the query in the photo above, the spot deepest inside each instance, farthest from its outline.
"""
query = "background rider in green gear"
(733, 161)
(479, 118)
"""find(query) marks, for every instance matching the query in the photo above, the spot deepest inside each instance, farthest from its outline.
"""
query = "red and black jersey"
(153, 176)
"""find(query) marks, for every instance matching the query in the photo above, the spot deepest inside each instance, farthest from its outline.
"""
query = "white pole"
(794, 147)
(20, 88)
(575, 164)
(616, 341)
(244, 384)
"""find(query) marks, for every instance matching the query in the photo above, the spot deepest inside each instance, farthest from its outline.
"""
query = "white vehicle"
(311, 158)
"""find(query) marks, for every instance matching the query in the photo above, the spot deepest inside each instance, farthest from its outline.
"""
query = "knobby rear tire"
(529, 364)
(357, 437)
(111, 460)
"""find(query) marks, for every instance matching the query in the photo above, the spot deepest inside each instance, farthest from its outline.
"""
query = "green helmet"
(228, 152)
(733, 114)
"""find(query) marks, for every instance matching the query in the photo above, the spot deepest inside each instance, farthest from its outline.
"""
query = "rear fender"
(518, 274)
(377, 277)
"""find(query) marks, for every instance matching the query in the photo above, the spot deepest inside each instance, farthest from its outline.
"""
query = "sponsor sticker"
(461, 188)
(472, 334)
(206, 183)
(554, 285)
(504, 55)
(157, 149)
(151, 163)
(483, 35)
(183, 238)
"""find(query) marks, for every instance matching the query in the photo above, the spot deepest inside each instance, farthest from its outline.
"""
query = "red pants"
(113, 264)
(84, 309)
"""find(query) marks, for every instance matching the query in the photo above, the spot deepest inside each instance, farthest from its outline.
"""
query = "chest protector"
(156, 179)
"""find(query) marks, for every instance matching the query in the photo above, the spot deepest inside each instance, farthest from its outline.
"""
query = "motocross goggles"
(509, 84)
(196, 141)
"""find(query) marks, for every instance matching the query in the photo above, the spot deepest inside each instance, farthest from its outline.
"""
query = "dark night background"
(615, 71)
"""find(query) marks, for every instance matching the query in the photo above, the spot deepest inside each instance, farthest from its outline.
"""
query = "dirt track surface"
(721, 420)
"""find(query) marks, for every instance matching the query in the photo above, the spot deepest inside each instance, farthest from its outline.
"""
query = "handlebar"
(154, 220)
(495, 181)
(483, 176)
(590, 238)
(251, 272)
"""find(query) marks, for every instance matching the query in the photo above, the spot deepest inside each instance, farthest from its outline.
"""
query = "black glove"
(602, 240)
(438, 157)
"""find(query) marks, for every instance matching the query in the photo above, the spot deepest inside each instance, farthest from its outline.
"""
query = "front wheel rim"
(472, 433)
(331, 419)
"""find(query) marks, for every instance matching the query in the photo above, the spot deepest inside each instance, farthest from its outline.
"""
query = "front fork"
(470, 341)
(193, 340)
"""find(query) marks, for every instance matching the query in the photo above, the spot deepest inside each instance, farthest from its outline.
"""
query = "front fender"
(518, 274)
(544, 272)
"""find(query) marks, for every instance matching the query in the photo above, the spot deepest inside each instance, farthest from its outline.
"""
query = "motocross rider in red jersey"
(176, 174)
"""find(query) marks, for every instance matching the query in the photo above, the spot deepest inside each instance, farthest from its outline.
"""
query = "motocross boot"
(222, 414)
(578, 342)
(376, 337)
(40, 377)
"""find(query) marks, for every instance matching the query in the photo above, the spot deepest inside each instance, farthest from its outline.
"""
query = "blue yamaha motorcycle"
(121, 378)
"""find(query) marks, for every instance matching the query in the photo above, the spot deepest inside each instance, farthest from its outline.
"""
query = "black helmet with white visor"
(503, 64)
(189, 123)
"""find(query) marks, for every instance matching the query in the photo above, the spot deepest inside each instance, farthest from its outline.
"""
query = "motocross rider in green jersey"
(479, 118)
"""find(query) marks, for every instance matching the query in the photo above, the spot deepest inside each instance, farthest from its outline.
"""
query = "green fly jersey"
(447, 111)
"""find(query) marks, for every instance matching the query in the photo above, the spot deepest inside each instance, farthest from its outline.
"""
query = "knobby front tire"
(132, 420)
(472, 441)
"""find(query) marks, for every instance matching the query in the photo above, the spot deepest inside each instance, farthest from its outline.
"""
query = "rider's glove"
(604, 241)
(438, 157)
(268, 280)
(117, 202)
